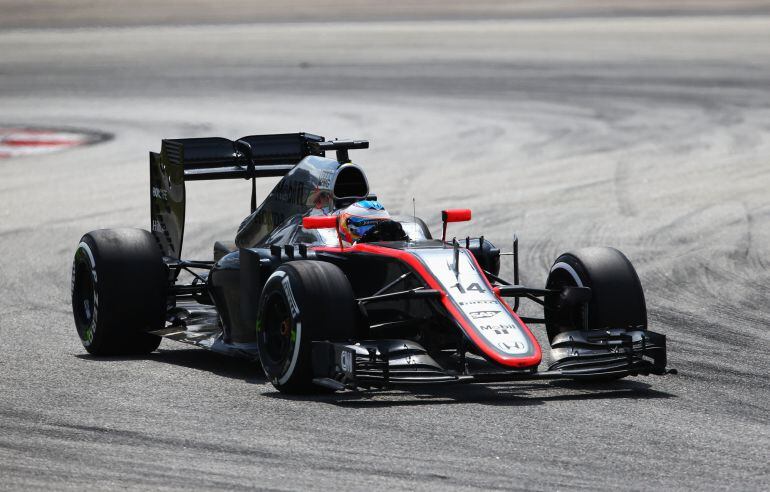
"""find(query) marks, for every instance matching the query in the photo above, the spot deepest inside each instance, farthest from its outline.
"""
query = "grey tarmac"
(647, 130)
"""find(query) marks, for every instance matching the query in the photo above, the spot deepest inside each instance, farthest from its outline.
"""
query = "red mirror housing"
(320, 222)
(456, 215)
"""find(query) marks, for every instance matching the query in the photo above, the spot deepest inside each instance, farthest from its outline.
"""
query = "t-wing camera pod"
(341, 146)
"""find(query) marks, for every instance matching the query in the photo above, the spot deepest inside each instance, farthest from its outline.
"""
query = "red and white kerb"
(15, 142)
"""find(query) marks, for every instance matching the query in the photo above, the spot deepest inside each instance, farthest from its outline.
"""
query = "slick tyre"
(617, 299)
(302, 301)
(119, 287)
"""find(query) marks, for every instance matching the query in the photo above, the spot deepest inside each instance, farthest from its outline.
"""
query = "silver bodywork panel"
(309, 186)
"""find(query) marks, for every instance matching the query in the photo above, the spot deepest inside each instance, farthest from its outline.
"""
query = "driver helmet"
(358, 218)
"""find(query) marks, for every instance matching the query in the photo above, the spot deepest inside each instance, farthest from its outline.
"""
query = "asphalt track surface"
(650, 134)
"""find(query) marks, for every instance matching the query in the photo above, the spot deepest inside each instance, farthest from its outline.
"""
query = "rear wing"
(192, 159)
(255, 156)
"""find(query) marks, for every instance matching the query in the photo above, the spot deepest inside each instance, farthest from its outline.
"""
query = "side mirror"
(320, 222)
(323, 222)
(454, 215)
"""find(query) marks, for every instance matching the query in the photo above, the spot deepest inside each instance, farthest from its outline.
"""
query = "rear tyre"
(302, 301)
(119, 288)
(617, 299)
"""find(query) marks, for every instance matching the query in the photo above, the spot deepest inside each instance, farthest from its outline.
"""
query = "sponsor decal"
(498, 329)
(18, 142)
(290, 191)
(290, 296)
(159, 193)
(325, 178)
(482, 314)
(468, 303)
(158, 226)
(346, 362)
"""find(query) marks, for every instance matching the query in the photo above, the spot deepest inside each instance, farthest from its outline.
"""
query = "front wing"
(578, 355)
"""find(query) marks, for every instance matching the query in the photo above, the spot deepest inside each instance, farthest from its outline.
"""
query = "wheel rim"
(558, 321)
(277, 330)
(83, 300)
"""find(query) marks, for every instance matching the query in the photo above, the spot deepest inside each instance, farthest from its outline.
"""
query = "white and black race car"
(394, 307)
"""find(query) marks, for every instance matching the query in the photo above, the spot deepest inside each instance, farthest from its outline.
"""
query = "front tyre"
(302, 301)
(119, 288)
(617, 299)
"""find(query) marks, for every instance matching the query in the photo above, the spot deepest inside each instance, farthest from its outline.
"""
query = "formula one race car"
(328, 290)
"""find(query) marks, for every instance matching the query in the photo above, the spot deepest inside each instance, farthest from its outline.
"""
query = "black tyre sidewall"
(86, 324)
(278, 370)
(130, 287)
(617, 298)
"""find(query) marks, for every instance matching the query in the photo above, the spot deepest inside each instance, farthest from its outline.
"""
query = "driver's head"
(357, 219)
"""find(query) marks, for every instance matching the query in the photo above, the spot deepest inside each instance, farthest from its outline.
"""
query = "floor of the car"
(198, 324)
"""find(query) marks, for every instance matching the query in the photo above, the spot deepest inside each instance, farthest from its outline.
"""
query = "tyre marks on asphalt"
(612, 142)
